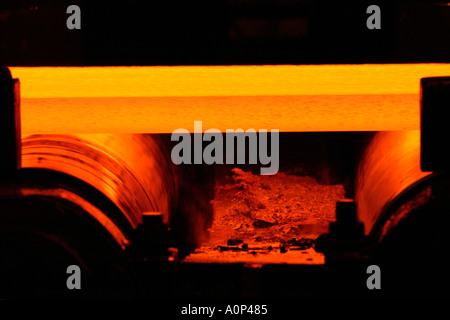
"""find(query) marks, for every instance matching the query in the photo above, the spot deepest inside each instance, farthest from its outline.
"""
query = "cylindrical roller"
(390, 165)
(398, 202)
(133, 171)
(80, 199)
(406, 213)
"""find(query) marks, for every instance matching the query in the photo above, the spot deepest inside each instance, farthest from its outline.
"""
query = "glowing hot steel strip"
(162, 99)
(200, 81)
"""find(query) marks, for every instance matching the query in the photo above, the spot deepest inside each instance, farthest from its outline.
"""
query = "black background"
(222, 32)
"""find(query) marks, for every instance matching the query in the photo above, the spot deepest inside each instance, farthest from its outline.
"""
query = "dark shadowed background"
(222, 32)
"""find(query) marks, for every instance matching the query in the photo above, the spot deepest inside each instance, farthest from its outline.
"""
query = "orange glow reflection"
(94, 211)
(129, 169)
(391, 164)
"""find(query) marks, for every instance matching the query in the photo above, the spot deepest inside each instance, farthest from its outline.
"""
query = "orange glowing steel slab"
(162, 99)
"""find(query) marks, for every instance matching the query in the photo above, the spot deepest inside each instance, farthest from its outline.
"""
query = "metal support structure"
(434, 124)
(10, 130)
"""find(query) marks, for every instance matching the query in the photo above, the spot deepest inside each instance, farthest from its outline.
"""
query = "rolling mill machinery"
(116, 206)
(95, 201)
